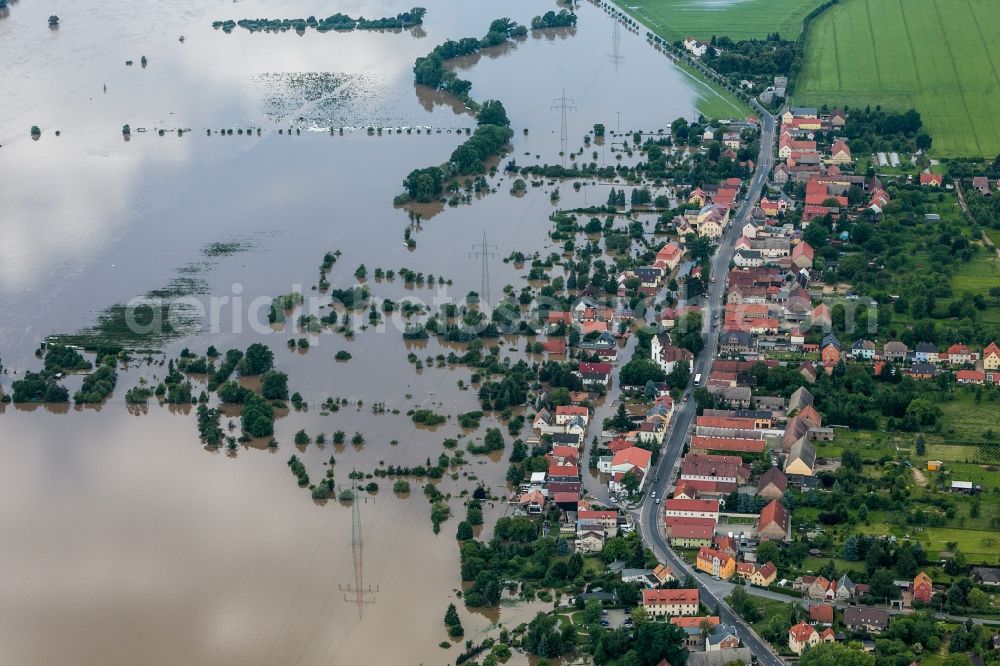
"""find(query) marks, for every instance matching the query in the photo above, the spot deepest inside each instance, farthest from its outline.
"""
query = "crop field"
(737, 19)
(938, 56)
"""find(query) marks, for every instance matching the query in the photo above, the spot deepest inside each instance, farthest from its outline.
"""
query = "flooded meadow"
(124, 537)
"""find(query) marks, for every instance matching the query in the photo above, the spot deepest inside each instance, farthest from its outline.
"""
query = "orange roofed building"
(669, 603)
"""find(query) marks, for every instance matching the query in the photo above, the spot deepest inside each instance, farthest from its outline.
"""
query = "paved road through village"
(648, 514)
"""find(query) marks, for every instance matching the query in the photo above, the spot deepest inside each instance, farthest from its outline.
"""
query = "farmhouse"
(801, 458)
(774, 522)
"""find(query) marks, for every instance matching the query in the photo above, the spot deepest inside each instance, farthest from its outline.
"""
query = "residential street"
(647, 515)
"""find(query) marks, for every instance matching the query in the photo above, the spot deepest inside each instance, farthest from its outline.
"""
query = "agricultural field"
(737, 19)
(938, 56)
(714, 101)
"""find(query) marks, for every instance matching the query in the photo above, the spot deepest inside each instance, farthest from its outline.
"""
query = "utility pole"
(487, 252)
(358, 593)
(563, 104)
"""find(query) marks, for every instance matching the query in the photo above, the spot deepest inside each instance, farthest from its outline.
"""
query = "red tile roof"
(725, 422)
(633, 456)
(774, 513)
(668, 597)
(821, 613)
(689, 622)
(728, 444)
(690, 528)
(802, 631)
(705, 506)
(571, 410)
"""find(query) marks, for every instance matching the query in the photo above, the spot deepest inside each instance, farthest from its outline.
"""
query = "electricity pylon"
(563, 104)
(358, 593)
(487, 252)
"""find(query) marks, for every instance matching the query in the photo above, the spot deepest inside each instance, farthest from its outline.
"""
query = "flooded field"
(124, 538)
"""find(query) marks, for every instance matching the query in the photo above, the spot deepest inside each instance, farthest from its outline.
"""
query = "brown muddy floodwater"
(124, 539)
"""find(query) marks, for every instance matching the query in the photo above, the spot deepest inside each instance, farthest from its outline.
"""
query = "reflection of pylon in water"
(615, 56)
(358, 593)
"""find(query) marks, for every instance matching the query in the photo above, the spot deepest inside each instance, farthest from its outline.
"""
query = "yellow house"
(765, 575)
(716, 563)
(991, 357)
(801, 458)
(934, 465)
(801, 636)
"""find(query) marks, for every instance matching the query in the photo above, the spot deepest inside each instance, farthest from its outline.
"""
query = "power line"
(487, 251)
(563, 104)
(358, 593)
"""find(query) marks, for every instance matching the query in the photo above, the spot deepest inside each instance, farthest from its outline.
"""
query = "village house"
(667, 356)
(970, 377)
(894, 351)
(764, 575)
(799, 399)
(565, 413)
(802, 255)
(991, 357)
(711, 220)
(928, 179)
(606, 520)
(715, 563)
(633, 461)
(821, 614)
(692, 629)
(801, 459)
(830, 349)
(668, 257)
(705, 444)
(706, 467)
(863, 350)
(772, 484)
(691, 508)
(866, 618)
(595, 374)
(774, 523)
(721, 638)
(695, 47)
(846, 589)
(959, 354)
(923, 588)
(802, 636)
(734, 343)
(926, 352)
(840, 153)
(664, 603)
(690, 532)
(532, 502)
(590, 541)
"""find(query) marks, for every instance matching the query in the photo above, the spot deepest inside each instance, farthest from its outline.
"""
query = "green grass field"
(738, 19)
(938, 56)
(712, 100)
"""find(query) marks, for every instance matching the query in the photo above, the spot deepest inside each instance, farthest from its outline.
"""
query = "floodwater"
(124, 538)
